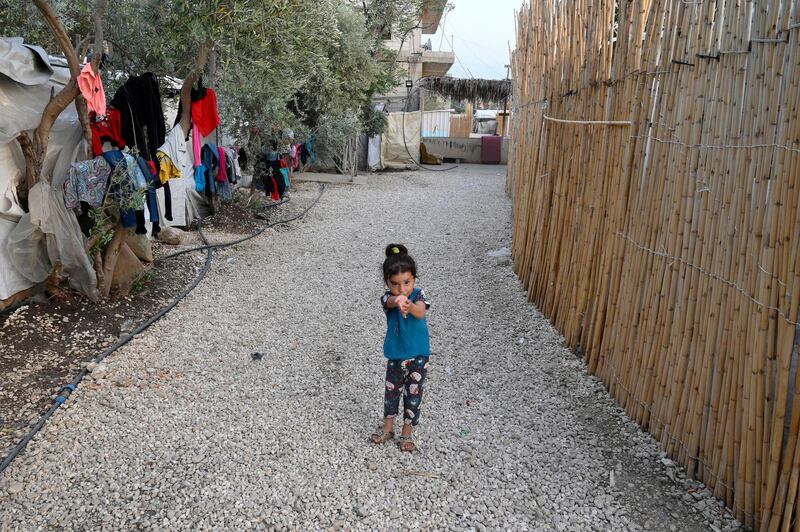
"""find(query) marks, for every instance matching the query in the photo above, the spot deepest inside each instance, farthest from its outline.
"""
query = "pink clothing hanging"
(222, 175)
(196, 146)
(91, 87)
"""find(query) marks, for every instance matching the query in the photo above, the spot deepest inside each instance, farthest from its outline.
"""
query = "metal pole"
(505, 108)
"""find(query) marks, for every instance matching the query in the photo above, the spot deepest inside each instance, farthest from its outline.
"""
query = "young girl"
(406, 346)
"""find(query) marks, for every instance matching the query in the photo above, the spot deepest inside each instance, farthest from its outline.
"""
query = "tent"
(27, 78)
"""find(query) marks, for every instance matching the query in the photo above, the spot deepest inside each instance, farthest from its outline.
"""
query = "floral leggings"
(407, 378)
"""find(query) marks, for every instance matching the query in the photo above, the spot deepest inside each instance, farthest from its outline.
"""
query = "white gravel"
(183, 429)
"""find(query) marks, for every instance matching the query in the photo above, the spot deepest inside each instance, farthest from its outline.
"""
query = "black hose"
(67, 390)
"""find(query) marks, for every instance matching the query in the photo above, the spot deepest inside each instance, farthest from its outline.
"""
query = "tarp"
(400, 148)
(21, 106)
(374, 153)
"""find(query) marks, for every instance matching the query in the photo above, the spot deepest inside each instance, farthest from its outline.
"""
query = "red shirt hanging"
(110, 129)
(205, 114)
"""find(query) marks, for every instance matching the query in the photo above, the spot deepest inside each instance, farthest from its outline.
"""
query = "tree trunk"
(35, 148)
(186, 89)
(109, 262)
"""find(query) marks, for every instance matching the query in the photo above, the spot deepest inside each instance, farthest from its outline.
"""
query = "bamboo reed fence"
(655, 168)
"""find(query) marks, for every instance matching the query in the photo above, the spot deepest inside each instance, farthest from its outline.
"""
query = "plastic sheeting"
(21, 106)
(374, 153)
(11, 281)
(16, 62)
(400, 141)
(47, 235)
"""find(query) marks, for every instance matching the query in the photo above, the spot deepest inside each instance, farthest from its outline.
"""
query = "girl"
(406, 345)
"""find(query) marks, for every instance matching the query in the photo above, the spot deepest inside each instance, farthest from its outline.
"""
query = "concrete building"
(417, 58)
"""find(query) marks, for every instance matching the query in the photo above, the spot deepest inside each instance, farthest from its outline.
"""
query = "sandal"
(381, 437)
(406, 444)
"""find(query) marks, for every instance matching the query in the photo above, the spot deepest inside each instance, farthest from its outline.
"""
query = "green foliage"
(142, 281)
(101, 227)
(21, 18)
(121, 192)
(391, 17)
(279, 64)
(334, 132)
(373, 122)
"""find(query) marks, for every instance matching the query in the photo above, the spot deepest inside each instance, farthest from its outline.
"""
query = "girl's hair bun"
(396, 249)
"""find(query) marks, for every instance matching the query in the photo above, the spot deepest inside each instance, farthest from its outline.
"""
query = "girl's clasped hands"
(403, 304)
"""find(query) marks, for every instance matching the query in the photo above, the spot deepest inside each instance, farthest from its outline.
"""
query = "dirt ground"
(46, 342)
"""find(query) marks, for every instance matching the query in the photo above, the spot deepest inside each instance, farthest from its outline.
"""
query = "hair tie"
(395, 250)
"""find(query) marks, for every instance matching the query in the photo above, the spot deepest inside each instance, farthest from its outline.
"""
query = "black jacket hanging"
(143, 123)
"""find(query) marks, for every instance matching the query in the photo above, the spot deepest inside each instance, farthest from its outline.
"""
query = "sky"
(480, 31)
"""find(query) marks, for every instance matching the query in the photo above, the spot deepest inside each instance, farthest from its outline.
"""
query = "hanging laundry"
(91, 86)
(311, 148)
(222, 174)
(197, 142)
(176, 153)
(284, 170)
(86, 181)
(106, 128)
(304, 155)
(242, 158)
(126, 179)
(294, 154)
(263, 173)
(196, 94)
(200, 178)
(199, 169)
(131, 167)
(168, 170)
(152, 201)
(276, 195)
(210, 158)
(225, 190)
(205, 114)
(232, 165)
(233, 157)
(143, 125)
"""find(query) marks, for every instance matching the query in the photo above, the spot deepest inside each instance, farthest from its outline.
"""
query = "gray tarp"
(21, 107)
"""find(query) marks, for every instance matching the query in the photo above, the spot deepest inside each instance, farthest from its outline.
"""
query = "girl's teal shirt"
(407, 337)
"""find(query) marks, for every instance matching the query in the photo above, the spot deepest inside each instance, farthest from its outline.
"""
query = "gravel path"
(182, 429)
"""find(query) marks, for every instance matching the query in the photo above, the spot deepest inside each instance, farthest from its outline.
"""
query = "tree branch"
(28, 151)
(186, 89)
(54, 22)
(60, 102)
(109, 261)
(99, 13)
(83, 46)
(83, 115)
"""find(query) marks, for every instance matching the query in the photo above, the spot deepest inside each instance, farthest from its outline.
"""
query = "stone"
(141, 246)
(127, 270)
(172, 236)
